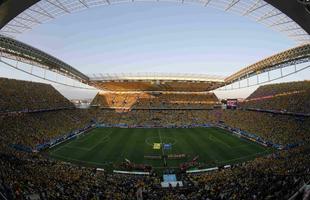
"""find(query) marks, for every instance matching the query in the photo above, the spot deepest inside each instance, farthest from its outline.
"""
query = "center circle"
(165, 140)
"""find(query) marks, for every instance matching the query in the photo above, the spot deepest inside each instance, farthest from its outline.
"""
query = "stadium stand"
(276, 176)
(156, 100)
(287, 97)
(34, 113)
(18, 96)
(32, 175)
(277, 128)
(154, 118)
(280, 175)
(154, 85)
(116, 100)
(32, 129)
(178, 101)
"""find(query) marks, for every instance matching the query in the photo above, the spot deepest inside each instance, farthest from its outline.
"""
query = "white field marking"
(74, 147)
(147, 141)
(242, 157)
(247, 143)
(161, 142)
(82, 139)
(101, 141)
(243, 139)
(241, 145)
(86, 137)
(83, 161)
(215, 139)
(151, 144)
(73, 140)
(59, 148)
(81, 148)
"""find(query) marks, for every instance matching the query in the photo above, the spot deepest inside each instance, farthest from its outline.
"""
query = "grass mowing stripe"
(162, 148)
(194, 144)
(213, 150)
(112, 145)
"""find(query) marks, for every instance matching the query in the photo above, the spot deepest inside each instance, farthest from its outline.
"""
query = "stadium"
(152, 135)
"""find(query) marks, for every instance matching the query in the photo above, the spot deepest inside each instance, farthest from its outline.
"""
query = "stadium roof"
(21, 52)
(156, 82)
(297, 55)
(288, 16)
(156, 76)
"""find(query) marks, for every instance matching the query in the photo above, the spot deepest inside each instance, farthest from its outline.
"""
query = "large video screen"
(232, 103)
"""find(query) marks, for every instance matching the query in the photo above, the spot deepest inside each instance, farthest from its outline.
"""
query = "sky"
(155, 37)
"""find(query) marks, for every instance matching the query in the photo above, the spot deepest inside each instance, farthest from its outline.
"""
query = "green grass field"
(104, 146)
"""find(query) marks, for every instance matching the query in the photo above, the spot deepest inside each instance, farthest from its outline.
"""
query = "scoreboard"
(232, 103)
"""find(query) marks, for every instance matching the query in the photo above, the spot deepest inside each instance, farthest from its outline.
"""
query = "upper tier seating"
(17, 95)
(143, 100)
(290, 97)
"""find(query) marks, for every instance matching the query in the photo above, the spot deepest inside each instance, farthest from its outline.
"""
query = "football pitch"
(104, 147)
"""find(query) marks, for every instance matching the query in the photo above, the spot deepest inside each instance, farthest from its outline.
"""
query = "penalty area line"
(243, 157)
(77, 160)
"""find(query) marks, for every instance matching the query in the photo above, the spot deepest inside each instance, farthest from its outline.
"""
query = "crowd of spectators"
(150, 85)
(145, 117)
(116, 100)
(178, 101)
(37, 176)
(276, 176)
(17, 96)
(288, 97)
(34, 113)
(155, 100)
(31, 129)
(277, 128)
